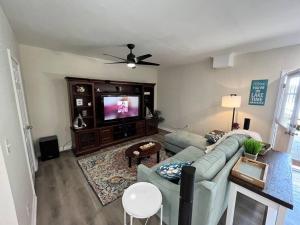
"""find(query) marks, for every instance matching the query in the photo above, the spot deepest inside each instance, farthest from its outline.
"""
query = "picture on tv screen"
(119, 107)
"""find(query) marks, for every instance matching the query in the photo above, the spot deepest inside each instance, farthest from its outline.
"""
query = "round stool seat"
(142, 200)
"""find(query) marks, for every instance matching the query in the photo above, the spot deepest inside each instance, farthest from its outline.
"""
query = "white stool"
(142, 200)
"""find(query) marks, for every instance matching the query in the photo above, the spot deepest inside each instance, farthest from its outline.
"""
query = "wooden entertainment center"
(86, 99)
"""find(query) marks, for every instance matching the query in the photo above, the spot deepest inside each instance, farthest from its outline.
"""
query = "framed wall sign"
(258, 92)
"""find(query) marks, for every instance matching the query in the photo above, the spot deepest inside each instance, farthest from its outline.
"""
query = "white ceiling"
(173, 31)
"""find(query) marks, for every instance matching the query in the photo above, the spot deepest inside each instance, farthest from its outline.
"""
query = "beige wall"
(44, 70)
(187, 95)
(191, 94)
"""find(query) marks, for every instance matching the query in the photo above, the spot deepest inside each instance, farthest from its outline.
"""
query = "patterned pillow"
(172, 171)
(213, 136)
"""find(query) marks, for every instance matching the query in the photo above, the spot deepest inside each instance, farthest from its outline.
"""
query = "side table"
(142, 200)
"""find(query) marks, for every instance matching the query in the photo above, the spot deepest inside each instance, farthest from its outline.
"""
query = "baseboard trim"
(166, 129)
(34, 210)
(65, 148)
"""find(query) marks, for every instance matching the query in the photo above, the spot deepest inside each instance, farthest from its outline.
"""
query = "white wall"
(16, 192)
(7, 207)
(191, 94)
(44, 70)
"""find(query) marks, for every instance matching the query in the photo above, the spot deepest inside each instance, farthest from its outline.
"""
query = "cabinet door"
(140, 128)
(106, 135)
(88, 140)
(151, 127)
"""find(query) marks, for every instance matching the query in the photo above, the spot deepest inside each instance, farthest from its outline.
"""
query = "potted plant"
(252, 148)
(157, 116)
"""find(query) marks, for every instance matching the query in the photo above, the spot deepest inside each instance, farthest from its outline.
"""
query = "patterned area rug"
(108, 172)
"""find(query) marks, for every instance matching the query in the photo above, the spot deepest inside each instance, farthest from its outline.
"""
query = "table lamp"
(231, 101)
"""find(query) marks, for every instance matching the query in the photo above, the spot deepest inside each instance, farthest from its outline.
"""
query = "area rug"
(108, 172)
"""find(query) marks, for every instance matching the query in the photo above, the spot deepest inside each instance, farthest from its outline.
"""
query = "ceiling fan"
(131, 60)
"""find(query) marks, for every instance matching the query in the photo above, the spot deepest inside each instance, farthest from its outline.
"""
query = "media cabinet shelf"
(99, 134)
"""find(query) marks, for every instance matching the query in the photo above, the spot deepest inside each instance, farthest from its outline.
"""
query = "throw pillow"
(172, 171)
(213, 136)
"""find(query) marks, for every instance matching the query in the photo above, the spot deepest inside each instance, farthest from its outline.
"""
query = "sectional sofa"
(211, 178)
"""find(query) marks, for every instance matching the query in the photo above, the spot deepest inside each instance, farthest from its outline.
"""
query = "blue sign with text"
(258, 92)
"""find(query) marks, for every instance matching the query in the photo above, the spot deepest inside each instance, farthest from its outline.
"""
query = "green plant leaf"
(252, 146)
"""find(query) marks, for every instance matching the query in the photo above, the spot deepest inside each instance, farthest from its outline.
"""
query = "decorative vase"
(250, 156)
(235, 126)
(80, 89)
(79, 123)
(148, 113)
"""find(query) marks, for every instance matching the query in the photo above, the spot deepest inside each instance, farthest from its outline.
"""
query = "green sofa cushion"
(191, 153)
(172, 148)
(184, 139)
(229, 146)
(209, 165)
(240, 138)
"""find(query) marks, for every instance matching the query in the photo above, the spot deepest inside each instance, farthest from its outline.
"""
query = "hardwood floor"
(293, 216)
(65, 198)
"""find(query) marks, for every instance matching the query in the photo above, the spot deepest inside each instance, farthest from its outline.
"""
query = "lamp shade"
(231, 101)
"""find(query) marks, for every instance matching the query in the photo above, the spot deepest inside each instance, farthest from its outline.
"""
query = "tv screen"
(119, 107)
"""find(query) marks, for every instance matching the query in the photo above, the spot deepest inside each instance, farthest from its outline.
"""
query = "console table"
(277, 194)
(142, 200)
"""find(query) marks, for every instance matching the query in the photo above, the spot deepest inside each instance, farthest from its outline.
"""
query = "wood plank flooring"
(293, 216)
(65, 198)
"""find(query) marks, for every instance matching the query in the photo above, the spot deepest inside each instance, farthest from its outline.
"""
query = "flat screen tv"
(120, 107)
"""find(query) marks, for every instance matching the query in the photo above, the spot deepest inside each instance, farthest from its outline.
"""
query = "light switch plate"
(7, 146)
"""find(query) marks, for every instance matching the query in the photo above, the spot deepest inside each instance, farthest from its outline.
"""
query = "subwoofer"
(49, 147)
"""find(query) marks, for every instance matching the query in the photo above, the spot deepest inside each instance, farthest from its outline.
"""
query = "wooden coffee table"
(143, 153)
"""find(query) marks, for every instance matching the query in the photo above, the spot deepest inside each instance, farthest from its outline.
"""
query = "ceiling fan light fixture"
(131, 61)
(131, 65)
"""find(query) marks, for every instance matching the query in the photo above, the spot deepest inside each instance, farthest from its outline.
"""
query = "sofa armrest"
(148, 175)
(203, 208)
(169, 190)
(206, 189)
(143, 172)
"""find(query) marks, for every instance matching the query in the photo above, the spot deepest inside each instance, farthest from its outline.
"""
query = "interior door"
(22, 111)
(286, 113)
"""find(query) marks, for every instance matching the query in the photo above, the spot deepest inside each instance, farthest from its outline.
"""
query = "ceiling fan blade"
(142, 57)
(116, 62)
(147, 63)
(114, 56)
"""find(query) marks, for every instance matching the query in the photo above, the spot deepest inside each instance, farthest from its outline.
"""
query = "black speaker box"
(49, 147)
(246, 124)
(186, 195)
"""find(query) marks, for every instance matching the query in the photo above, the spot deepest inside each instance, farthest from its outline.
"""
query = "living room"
(102, 80)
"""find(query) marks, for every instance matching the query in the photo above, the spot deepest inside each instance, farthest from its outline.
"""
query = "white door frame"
(35, 162)
(279, 100)
(277, 109)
